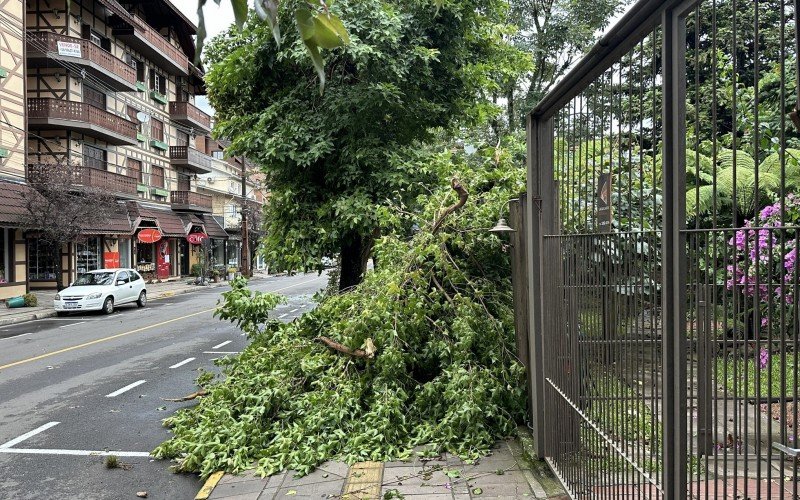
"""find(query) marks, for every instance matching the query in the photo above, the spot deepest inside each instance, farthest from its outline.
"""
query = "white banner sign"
(70, 49)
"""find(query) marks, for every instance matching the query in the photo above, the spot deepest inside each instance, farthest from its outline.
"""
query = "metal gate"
(663, 211)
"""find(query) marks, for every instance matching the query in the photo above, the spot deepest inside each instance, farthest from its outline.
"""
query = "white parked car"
(102, 290)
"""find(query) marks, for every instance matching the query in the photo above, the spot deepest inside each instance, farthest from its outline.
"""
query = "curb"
(32, 317)
(209, 485)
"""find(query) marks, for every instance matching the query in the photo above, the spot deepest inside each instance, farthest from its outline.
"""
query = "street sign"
(604, 209)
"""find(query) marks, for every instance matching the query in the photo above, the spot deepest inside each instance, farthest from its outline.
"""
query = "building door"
(184, 184)
(94, 97)
(183, 249)
(181, 138)
(162, 259)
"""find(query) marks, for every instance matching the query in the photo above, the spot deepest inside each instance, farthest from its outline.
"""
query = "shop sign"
(146, 267)
(69, 49)
(111, 260)
(149, 235)
(196, 238)
(603, 209)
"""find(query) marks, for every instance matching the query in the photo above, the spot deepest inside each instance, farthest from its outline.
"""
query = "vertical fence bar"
(674, 255)
(539, 158)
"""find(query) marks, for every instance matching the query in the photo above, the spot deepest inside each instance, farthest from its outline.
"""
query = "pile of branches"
(420, 353)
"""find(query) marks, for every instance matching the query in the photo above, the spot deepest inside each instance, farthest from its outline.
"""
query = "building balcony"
(151, 44)
(188, 200)
(189, 158)
(45, 113)
(190, 115)
(112, 182)
(46, 49)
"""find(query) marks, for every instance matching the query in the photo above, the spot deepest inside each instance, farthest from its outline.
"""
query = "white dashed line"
(81, 453)
(27, 435)
(222, 344)
(187, 360)
(73, 324)
(126, 388)
(294, 310)
(283, 315)
(220, 352)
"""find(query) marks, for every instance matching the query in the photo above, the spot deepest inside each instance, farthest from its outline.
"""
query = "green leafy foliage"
(438, 310)
(332, 161)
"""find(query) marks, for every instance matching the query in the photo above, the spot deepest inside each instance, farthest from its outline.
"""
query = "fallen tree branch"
(358, 353)
(462, 200)
(194, 395)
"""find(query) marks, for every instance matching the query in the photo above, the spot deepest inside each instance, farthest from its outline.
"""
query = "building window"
(132, 112)
(219, 155)
(41, 260)
(157, 177)
(88, 255)
(181, 138)
(157, 129)
(158, 82)
(135, 169)
(139, 67)
(94, 157)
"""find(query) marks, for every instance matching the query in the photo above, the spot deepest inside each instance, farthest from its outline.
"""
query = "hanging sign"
(149, 235)
(196, 238)
(69, 49)
(603, 213)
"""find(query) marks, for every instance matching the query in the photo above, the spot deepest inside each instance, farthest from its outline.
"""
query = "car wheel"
(142, 299)
(108, 305)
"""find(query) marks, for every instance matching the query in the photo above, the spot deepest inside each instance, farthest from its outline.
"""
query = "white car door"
(124, 287)
(138, 283)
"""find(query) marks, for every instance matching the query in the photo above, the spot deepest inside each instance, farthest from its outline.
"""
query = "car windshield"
(94, 279)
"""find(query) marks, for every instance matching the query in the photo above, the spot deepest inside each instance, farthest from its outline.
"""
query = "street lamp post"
(245, 243)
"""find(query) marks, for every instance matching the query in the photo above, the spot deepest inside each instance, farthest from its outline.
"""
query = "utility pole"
(245, 244)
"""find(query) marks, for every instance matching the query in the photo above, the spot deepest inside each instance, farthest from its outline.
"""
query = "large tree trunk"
(355, 252)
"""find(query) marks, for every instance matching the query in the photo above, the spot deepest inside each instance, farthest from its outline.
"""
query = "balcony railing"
(107, 181)
(190, 158)
(190, 115)
(49, 113)
(101, 64)
(189, 200)
(150, 43)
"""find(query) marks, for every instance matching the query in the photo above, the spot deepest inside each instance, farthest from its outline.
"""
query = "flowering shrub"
(766, 259)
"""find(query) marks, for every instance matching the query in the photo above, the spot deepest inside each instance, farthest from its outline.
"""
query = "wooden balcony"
(139, 35)
(190, 158)
(45, 113)
(43, 51)
(112, 182)
(189, 200)
(190, 115)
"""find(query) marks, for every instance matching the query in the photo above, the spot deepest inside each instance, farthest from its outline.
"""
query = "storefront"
(218, 238)
(156, 249)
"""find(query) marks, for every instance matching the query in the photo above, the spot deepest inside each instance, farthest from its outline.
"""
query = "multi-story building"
(224, 185)
(111, 87)
(13, 266)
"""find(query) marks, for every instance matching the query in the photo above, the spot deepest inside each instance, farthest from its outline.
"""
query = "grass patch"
(768, 376)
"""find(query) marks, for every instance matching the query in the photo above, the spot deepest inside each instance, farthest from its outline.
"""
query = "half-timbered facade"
(111, 88)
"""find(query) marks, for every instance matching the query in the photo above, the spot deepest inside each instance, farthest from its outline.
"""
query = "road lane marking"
(27, 435)
(294, 310)
(222, 344)
(17, 336)
(187, 360)
(80, 453)
(73, 324)
(220, 352)
(283, 315)
(118, 335)
(126, 388)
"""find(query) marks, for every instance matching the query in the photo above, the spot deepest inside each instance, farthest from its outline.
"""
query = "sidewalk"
(45, 298)
(506, 473)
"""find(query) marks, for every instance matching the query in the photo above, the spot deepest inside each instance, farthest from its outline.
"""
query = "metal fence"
(661, 232)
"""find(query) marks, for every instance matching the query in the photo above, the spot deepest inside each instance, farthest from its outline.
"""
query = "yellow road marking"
(104, 339)
(209, 486)
(118, 335)
(363, 481)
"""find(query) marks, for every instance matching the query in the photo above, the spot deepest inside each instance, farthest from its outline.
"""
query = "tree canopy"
(332, 160)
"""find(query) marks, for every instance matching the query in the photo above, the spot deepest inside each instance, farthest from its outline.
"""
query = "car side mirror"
(120, 282)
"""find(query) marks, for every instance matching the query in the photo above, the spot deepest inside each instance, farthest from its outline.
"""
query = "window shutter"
(86, 31)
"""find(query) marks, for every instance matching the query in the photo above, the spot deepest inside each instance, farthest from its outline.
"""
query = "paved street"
(72, 387)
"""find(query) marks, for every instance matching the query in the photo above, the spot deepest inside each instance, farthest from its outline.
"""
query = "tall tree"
(60, 205)
(331, 160)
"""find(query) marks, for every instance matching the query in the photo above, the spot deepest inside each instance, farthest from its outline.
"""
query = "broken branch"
(462, 200)
(336, 346)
